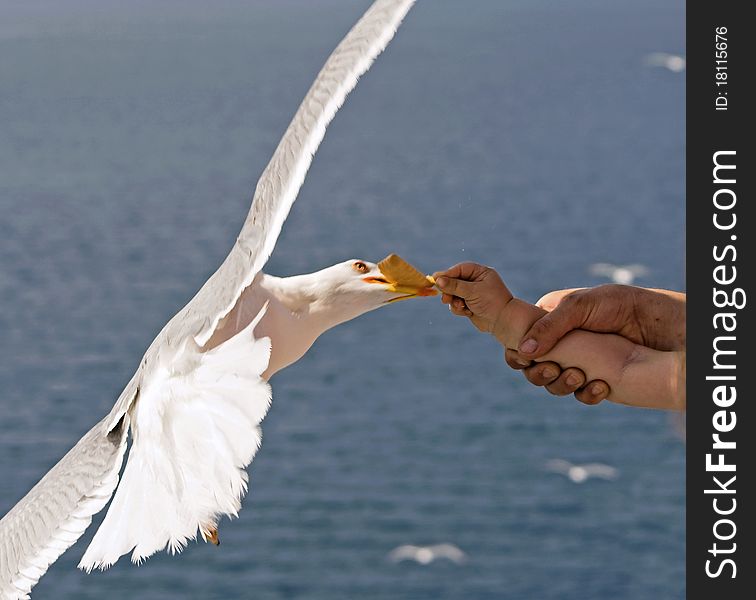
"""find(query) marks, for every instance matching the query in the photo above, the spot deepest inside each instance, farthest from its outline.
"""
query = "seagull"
(623, 274)
(194, 405)
(427, 554)
(581, 473)
(671, 62)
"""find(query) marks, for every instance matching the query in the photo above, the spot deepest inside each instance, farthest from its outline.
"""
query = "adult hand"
(652, 318)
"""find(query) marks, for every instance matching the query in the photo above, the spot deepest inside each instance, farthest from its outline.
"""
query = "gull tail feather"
(194, 434)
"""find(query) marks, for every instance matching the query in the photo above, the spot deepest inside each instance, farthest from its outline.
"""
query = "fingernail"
(572, 379)
(597, 389)
(522, 362)
(529, 346)
(441, 282)
(549, 373)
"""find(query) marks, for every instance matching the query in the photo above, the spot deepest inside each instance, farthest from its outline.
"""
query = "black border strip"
(726, 128)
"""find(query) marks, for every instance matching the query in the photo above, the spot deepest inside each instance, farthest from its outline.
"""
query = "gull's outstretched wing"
(450, 551)
(55, 513)
(602, 269)
(279, 183)
(559, 465)
(600, 470)
(637, 270)
(405, 552)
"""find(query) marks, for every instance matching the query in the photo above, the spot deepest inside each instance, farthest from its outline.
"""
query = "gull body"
(194, 405)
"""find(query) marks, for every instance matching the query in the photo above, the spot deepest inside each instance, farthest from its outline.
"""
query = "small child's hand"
(478, 292)
(474, 291)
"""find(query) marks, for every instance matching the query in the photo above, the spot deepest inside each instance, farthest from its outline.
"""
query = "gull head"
(357, 286)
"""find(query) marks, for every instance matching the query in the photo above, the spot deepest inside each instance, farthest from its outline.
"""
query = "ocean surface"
(528, 135)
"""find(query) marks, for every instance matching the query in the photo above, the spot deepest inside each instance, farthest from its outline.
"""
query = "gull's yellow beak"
(402, 278)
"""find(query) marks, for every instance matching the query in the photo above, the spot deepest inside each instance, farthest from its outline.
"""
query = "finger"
(458, 303)
(459, 308)
(455, 287)
(551, 300)
(446, 298)
(593, 393)
(517, 358)
(543, 335)
(514, 360)
(542, 374)
(567, 383)
(466, 270)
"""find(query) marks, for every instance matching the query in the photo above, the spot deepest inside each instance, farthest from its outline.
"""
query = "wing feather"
(281, 180)
(57, 511)
(601, 470)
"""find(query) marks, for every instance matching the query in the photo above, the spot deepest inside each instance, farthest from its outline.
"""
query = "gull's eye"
(360, 267)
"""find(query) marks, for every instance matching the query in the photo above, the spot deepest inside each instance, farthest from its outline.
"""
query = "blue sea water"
(528, 135)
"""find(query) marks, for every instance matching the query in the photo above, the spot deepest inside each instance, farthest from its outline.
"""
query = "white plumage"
(425, 555)
(581, 473)
(54, 514)
(195, 403)
(671, 62)
(621, 274)
(192, 443)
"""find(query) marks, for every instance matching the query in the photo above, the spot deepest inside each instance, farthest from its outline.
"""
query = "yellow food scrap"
(399, 272)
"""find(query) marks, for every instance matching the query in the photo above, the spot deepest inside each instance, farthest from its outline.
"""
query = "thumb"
(551, 300)
(455, 287)
(550, 328)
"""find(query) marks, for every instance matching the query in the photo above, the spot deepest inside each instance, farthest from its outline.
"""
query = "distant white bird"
(671, 62)
(581, 473)
(197, 398)
(427, 554)
(624, 274)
